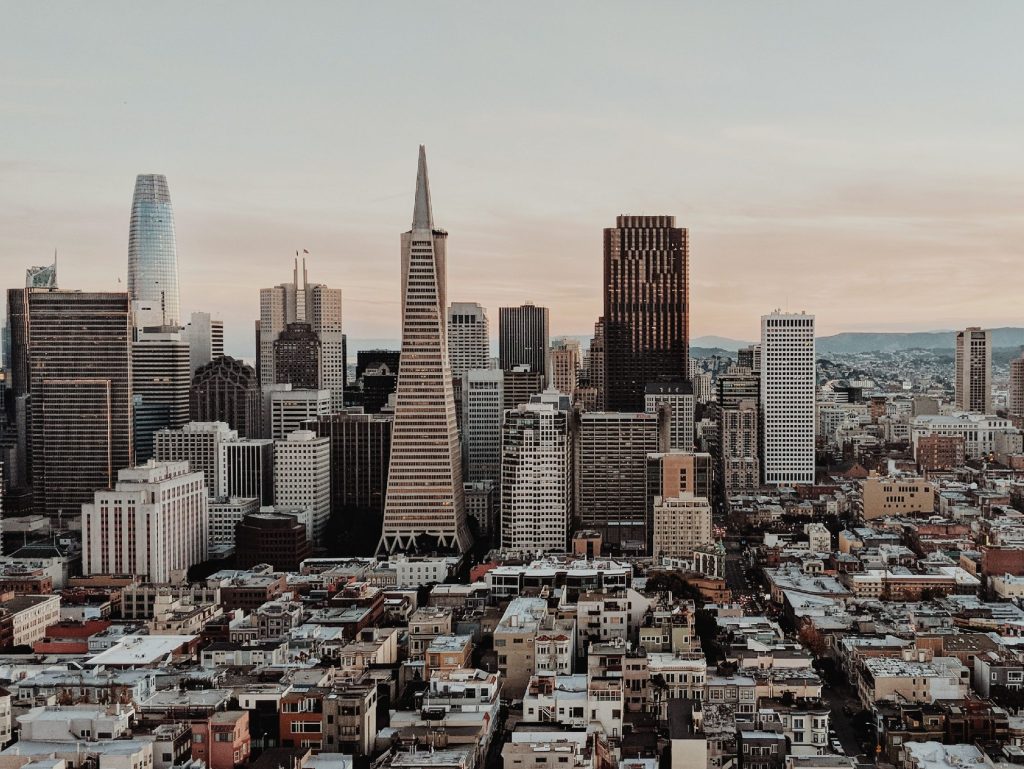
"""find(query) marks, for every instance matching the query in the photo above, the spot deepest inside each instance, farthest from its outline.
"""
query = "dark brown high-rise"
(646, 306)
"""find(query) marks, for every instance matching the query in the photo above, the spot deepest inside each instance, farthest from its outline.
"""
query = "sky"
(861, 161)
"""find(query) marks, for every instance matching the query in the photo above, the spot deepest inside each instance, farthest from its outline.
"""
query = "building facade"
(153, 255)
(682, 524)
(197, 443)
(676, 396)
(205, 337)
(788, 398)
(482, 411)
(523, 338)
(973, 370)
(646, 307)
(469, 341)
(302, 477)
(566, 362)
(226, 390)
(425, 496)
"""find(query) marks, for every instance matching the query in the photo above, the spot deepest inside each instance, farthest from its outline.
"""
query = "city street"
(836, 698)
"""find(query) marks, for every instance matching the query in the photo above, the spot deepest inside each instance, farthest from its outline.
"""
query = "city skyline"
(777, 174)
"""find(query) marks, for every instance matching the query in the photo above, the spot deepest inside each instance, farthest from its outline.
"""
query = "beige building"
(30, 615)
(1015, 404)
(426, 624)
(528, 641)
(681, 525)
(566, 361)
(912, 678)
(896, 495)
(973, 372)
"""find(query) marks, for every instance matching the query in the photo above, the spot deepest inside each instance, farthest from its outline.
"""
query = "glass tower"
(153, 255)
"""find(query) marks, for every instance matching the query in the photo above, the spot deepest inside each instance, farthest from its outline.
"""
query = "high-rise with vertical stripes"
(424, 507)
(153, 255)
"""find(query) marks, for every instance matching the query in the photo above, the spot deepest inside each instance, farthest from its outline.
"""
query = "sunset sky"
(862, 161)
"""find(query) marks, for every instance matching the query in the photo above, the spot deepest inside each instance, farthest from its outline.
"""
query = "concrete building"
(469, 339)
(197, 443)
(566, 363)
(26, 618)
(537, 486)
(646, 307)
(524, 629)
(271, 538)
(225, 513)
(289, 408)
(912, 680)
(482, 504)
(672, 473)
(682, 524)
(227, 390)
(482, 410)
(70, 367)
(677, 397)
(302, 477)
(982, 434)
(205, 338)
(519, 385)
(154, 523)
(613, 473)
(161, 374)
(524, 339)
(940, 452)
(738, 446)
(973, 370)
(896, 495)
(425, 500)
(1015, 401)
(788, 395)
(303, 302)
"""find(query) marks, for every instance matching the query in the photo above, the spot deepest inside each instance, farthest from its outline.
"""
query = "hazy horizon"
(834, 159)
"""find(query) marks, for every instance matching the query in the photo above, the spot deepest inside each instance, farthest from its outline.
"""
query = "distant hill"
(720, 342)
(855, 342)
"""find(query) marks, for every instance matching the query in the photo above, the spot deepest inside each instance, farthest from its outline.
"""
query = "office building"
(360, 453)
(482, 410)
(646, 307)
(537, 481)
(302, 477)
(245, 468)
(469, 341)
(672, 473)
(482, 507)
(297, 357)
(1015, 402)
(973, 370)
(524, 338)
(738, 429)
(519, 385)
(566, 362)
(71, 368)
(983, 435)
(225, 513)
(147, 419)
(152, 524)
(677, 396)
(682, 524)
(377, 372)
(161, 374)
(749, 357)
(593, 382)
(226, 390)
(205, 337)
(303, 302)
(289, 408)
(788, 392)
(198, 444)
(613, 473)
(153, 255)
(274, 538)
(424, 502)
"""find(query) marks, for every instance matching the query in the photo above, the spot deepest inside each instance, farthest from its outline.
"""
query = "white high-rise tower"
(788, 385)
(469, 344)
(424, 507)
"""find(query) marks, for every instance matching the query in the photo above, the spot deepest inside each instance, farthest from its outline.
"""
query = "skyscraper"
(205, 337)
(297, 357)
(161, 373)
(524, 338)
(1015, 405)
(537, 474)
(226, 390)
(973, 370)
(613, 473)
(153, 255)
(303, 302)
(482, 411)
(646, 307)
(469, 342)
(197, 443)
(302, 477)
(788, 389)
(424, 503)
(566, 362)
(70, 359)
(677, 396)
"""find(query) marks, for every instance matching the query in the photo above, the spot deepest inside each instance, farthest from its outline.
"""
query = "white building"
(683, 675)
(482, 410)
(154, 522)
(205, 337)
(788, 389)
(574, 702)
(302, 477)
(225, 513)
(289, 408)
(682, 524)
(677, 396)
(197, 443)
(537, 475)
(469, 340)
(982, 434)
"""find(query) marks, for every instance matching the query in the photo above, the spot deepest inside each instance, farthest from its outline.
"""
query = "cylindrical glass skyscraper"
(153, 254)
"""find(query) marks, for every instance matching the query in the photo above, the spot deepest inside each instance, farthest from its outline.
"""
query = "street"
(836, 698)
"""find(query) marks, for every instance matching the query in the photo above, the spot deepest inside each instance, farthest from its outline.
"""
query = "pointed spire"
(422, 216)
